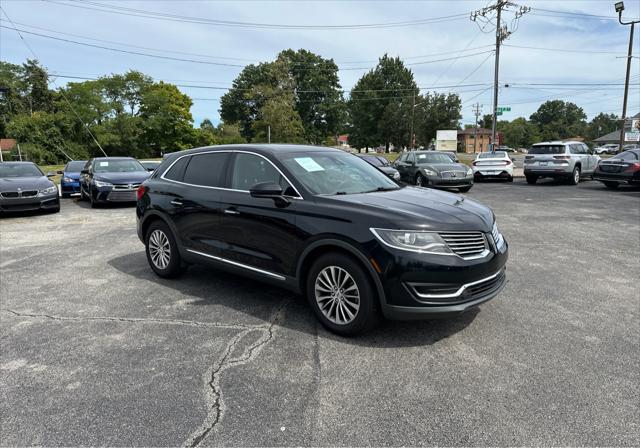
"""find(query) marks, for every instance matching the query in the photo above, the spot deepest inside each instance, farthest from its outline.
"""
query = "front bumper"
(423, 286)
(110, 195)
(47, 202)
(70, 187)
(437, 181)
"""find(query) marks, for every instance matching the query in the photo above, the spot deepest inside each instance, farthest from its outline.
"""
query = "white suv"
(561, 160)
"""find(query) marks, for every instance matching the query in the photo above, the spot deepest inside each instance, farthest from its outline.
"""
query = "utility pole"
(502, 33)
(19, 153)
(413, 113)
(619, 8)
(268, 133)
(477, 110)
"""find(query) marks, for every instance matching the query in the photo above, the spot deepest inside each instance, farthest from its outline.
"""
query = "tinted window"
(403, 157)
(547, 149)
(207, 169)
(373, 161)
(176, 172)
(76, 166)
(19, 170)
(384, 161)
(627, 155)
(492, 155)
(117, 166)
(249, 170)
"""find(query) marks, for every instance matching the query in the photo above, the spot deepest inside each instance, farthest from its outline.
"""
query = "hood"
(72, 175)
(24, 183)
(387, 169)
(438, 167)
(412, 208)
(133, 177)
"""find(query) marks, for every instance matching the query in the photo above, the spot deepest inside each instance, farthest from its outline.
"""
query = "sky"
(567, 52)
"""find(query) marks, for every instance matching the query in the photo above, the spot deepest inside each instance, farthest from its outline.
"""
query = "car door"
(591, 157)
(401, 165)
(85, 176)
(579, 156)
(258, 234)
(194, 202)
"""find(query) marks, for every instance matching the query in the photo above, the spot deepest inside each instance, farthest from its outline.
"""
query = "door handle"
(176, 202)
(231, 211)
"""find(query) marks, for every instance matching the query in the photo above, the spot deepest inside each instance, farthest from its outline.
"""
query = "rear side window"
(576, 149)
(547, 149)
(207, 170)
(176, 172)
(627, 155)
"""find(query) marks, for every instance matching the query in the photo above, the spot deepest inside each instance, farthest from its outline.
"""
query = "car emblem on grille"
(453, 174)
(19, 190)
(130, 186)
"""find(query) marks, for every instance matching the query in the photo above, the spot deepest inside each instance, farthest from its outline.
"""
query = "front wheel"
(420, 180)
(342, 295)
(162, 251)
(612, 185)
(464, 189)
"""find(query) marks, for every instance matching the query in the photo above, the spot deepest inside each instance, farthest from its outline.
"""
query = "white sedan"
(493, 165)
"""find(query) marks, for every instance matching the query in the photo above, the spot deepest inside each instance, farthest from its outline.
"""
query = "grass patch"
(47, 168)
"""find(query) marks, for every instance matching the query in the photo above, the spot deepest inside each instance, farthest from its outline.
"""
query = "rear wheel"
(575, 176)
(612, 185)
(532, 179)
(162, 251)
(342, 295)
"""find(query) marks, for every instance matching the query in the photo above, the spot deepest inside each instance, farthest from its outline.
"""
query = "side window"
(176, 172)
(403, 157)
(411, 158)
(585, 149)
(627, 156)
(249, 170)
(575, 149)
(207, 170)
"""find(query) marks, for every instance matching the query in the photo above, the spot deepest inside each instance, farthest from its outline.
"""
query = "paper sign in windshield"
(104, 163)
(308, 164)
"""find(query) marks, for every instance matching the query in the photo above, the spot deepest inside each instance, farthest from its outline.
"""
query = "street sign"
(499, 112)
(504, 109)
(632, 136)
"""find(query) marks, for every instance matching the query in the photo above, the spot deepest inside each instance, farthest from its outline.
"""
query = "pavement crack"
(144, 320)
(213, 390)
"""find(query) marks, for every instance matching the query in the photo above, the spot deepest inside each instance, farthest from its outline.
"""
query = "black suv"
(326, 224)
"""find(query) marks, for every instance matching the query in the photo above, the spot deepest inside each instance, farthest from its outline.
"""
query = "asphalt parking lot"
(96, 350)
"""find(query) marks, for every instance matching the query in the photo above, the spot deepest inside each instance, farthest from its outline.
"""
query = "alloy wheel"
(159, 249)
(576, 176)
(337, 295)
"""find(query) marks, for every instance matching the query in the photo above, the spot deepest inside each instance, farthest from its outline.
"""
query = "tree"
(167, 124)
(519, 133)
(559, 120)
(280, 115)
(436, 111)
(486, 121)
(381, 104)
(602, 124)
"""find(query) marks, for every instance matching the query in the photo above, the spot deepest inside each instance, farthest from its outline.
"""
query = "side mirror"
(52, 173)
(268, 190)
(60, 172)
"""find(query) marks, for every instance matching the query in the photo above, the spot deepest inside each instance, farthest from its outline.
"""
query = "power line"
(121, 10)
(61, 91)
(564, 50)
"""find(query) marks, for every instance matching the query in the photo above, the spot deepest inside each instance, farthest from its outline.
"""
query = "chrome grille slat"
(465, 244)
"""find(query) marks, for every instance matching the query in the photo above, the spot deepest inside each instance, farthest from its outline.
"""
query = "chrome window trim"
(482, 254)
(240, 265)
(299, 197)
(449, 296)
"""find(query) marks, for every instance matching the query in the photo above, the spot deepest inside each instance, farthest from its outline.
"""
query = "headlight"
(67, 179)
(414, 241)
(469, 171)
(49, 190)
(396, 175)
(100, 184)
(429, 172)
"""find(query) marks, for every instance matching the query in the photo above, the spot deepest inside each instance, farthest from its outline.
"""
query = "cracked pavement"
(96, 350)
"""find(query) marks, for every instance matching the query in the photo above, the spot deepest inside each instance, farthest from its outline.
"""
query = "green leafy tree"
(167, 124)
(559, 120)
(280, 115)
(436, 111)
(519, 133)
(602, 124)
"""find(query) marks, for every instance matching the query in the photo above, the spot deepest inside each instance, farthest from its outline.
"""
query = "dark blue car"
(70, 182)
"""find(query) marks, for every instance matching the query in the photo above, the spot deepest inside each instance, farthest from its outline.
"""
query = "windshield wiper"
(382, 189)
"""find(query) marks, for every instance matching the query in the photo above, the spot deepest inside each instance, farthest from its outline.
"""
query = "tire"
(82, 195)
(162, 250)
(94, 203)
(420, 180)
(66, 195)
(465, 189)
(575, 176)
(331, 306)
(510, 179)
(611, 185)
(532, 179)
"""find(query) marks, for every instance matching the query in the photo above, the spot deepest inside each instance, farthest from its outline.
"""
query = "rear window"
(207, 169)
(75, 166)
(495, 155)
(547, 149)
(373, 161)
(627, 155)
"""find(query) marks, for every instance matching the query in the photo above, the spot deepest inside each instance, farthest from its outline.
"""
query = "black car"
(619, 169)
(111, 179)
(382, 164)
(23, 187)
(326, 224)
(434, 169)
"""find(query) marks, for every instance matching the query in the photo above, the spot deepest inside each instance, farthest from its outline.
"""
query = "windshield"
(150, 164)
(547, 149)
(433, 157)
(117, 166)
(76, 166)
(329, 173)
(19, 170)
(492, 155)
